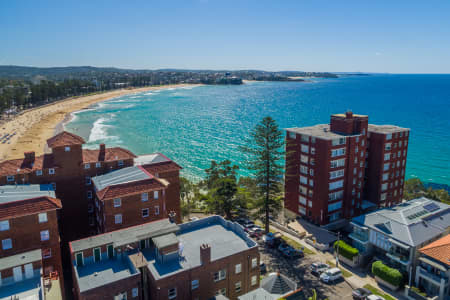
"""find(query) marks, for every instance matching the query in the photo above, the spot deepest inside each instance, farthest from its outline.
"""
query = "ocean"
(198, 124)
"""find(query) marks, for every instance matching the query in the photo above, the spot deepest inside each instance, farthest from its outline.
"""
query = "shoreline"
(32, 127)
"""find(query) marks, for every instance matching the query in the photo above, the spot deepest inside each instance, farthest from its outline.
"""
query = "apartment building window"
(388, 136)
(9, 178)
(120, 163)
(42, 217)
(303, 190)
(220, 275)
(292, 135)
(38, 172)
(254, 280)
(156, 195)
(88, 180)
(302, 210)
(6, 244)
(338, 163)
(310, 203)
(238, 268)
(336, 174)
(364, 132)
(45, 235)
(356, 160)
(310, 193)
(222, 291)
(254, 262)
(387, 156)
(134, 292)
(118, 219)
(335, 196)
(90, 208)
(356, 149)
(303, 180)
(302, 200)
(354, 180)
(313, 140)
(53, 186)
(386, 167)
(51, 171)
(145, 212)
(357, 139)
(305, 149)
(311, 182)
(304, 169)
(194, 284)
(385, 176)
(362, 143)
(361, 164)
(172, 293)
(237, 287)
(387, 146)
(395, 193)
(339, 141)
(312, 162)
(4, 225)
(313, 150)
(144, 197)
(400, 144)
(98, 165)
(157, 210)
(87, 166)
(117, 202)
(304, 159)
(334, 206)
(67, 149)
(337, 152)
(336, 185)
(305, 138)
(398, 163)
(384, 186)
(311, 172)
(47, 253)
(89, 194)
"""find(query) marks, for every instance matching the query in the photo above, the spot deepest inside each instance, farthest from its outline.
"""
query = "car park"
(331, 275)
(361, 293)
(292, 253)
(272, 239)
(283, 247)
(374, 297)
(318, 268)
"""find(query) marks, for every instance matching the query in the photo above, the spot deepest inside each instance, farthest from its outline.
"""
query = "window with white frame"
(386, 167)
(313, 140)
(120, 163)
(304, 169)
(237, 287)
(254, 280)
(337, 152)
(387, 146)
(388, 136)
(222, 291)
(311, 182)
(334, 206)
(385, 176)
(134, 292)
(303, 190)
(304, 159)
(302, 210)
(238, 268)
(335, 196)
(4, 225)
(157, 210)
(339, 141)
(305, 149)
(220, 275)
(98, 164)
(336, 174)
(172, 293)
(254, 262)
(313, 150)
(51, 171)
(303, 180)
(292, 135)
(38, 172)
(118, 219)
(67, 149)
(88, 180)
(338, 163)
(42, 217)
(87, 166)
(117, 202)
(145, 212)
(156, 195)
(387, 156)
(195, 284)
(311, 172)
(45, 235)
(9, 178)
(302, 200)
(144, 197)
(305, 138)
(384, 186)
(336, 184)
(6, 244)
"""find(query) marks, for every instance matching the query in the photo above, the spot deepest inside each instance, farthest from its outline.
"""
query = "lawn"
(345, 273)
(376, 291)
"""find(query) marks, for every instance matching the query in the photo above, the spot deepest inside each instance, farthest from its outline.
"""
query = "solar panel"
(431, 207)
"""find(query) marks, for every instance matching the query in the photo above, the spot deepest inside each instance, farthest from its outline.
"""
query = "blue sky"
(311, 35)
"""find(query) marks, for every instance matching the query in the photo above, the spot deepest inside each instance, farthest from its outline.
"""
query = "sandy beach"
(33, 127)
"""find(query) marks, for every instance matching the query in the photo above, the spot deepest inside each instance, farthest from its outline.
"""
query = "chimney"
(101, 155)
(205, 254)
(29, 156)
(349, 114)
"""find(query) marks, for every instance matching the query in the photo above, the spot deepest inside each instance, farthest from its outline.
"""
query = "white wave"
(99, 131)
(150, 93)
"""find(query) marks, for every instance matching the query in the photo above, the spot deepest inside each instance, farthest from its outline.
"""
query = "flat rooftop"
(98, 274)
(148, 159)
(121, 176)
(26, 289)
(386, 128)
(320, 131)
(224, 237)
(9, 193)
(24, 258)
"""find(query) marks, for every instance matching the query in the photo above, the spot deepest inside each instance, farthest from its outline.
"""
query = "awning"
(404, 246)
(433, 264)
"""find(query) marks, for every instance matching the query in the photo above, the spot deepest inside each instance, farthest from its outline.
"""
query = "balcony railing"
(437, 278)
(360, 237)
(404, 260)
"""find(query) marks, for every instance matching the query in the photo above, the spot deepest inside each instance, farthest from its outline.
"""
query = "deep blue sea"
(196, 125)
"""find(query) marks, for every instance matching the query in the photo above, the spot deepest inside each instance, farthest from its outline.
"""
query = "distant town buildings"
(335, 171)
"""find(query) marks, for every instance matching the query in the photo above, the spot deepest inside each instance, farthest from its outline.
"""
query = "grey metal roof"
(120, 176)
(320, 131)
(9, 193)
(258, 294)
(165, 240)
(127, 235)
(20, 259)
(150, 159)
(278, 284)
(412, 223)
(386, 128)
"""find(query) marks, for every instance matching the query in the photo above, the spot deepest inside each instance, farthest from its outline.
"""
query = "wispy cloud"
(377, 53)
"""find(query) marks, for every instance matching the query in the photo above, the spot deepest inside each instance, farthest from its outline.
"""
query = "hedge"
(390, 275)
(346, 250)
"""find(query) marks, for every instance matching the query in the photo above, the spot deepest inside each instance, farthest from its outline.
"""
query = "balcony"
(360, 237)
(398, 257)
(431, 276)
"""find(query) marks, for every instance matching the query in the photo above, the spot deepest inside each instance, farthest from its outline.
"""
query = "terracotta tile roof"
(125, 189)
(65, 139)
(32, 206)
(111, 154)
(439, 250)
(162, 167)
(23, 166)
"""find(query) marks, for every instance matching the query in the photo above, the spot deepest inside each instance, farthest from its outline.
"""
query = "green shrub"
(346, 250)
(418, 291)
(390, 275)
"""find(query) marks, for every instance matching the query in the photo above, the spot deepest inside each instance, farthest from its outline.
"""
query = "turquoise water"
(196, 125)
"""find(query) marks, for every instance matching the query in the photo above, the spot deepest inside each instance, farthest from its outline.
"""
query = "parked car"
(374, 297)
(193, 219)
(262, 268)
(255, 233)
(361, 293)
(318, 268)
(272, 239)
(284, 247)
(293, 253)
(331, 275)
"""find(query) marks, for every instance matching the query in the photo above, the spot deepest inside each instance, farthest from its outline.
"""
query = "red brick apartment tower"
(387, 150)
(28, 222)
(325, 169)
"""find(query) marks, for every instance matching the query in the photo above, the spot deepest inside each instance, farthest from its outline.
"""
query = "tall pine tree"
(265, 150)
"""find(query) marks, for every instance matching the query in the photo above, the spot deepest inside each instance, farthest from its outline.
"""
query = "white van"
(331, 275)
